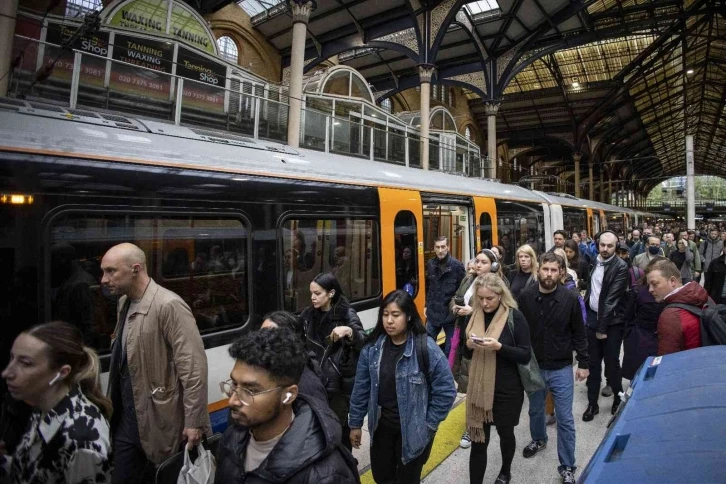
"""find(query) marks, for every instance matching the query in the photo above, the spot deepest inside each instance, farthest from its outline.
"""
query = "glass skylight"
(79, 8)
(254, 7)
(482, 7)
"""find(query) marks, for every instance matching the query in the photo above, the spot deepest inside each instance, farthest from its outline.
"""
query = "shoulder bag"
(528, 372)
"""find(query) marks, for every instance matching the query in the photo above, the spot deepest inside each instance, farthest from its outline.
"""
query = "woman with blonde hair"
(68, 436)
(462, 305)
(525, 270)
(497, 336)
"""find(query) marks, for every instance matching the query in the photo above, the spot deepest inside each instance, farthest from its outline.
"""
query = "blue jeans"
(562, 385)
(433, 330)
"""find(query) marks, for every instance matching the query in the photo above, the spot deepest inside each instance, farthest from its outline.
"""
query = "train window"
(202, 259)
(615, 221)
(451, 221)
(406, 239)
(574, 220)
(346, 247)
(519, 223)
(485, 230)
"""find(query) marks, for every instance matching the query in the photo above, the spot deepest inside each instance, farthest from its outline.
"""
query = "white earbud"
(55, 379)
(288, 396)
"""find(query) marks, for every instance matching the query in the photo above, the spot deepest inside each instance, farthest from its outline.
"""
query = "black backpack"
(713, 322)
(422, 355)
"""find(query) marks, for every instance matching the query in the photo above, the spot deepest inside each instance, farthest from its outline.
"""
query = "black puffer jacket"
(613, 295)
(715, 279)
(318, 325)
(308, 453)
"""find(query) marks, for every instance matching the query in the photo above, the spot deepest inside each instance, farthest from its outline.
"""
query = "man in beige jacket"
(158, 374)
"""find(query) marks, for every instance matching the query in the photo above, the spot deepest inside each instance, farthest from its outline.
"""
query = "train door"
(485, 213)
(554, 220)
(450, 217)
(603, 222)
(402, 245)
(590, 223)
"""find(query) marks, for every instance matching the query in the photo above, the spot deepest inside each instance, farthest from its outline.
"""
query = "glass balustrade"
(351, 127)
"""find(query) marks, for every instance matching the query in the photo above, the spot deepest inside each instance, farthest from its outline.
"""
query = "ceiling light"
(575, 84)
(689, 71)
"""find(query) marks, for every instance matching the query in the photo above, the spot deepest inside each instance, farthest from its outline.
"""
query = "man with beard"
(606, 299)
(278, 435)
(556, 327)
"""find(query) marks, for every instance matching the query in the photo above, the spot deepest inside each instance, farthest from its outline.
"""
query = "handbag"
(201, 471)
(529, 373)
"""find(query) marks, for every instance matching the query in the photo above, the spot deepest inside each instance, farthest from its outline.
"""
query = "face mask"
(653, 250)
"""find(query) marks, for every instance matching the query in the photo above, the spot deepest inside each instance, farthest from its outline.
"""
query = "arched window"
(467, 133)
(386, 105)
(79, 8)
(228, 49)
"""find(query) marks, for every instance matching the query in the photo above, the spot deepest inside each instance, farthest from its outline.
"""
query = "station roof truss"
(619, 81)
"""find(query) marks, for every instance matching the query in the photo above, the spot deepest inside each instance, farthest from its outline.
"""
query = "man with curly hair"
(278, 434)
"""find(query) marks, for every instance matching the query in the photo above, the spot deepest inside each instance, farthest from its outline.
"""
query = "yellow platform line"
(446, 441)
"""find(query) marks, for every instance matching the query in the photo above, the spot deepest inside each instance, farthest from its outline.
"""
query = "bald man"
(606, 299)
(158, 374)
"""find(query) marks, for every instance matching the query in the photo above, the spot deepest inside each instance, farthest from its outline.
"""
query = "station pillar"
(491, 109)
(425, 73)
(592, 182)
(577, 157)
(8, 11)
(610, 189)
(300, 15)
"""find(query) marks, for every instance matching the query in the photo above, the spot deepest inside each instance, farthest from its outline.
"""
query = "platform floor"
(450, 464)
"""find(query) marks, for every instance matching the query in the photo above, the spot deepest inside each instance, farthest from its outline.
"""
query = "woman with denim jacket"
(404, 405)
(497, 334)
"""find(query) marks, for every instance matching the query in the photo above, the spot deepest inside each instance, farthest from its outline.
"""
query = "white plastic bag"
(201, 471)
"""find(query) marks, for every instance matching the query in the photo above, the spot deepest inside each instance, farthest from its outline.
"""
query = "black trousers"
(129, 459)
(386, 464)
(607, 350)
(478, 455)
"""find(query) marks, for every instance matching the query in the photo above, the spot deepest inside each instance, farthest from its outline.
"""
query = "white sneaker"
(465, 441)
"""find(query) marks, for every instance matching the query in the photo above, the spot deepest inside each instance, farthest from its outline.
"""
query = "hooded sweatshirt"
(679, 329)
(309, 452)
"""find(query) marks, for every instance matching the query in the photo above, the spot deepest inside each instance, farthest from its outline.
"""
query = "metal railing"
(674, 204)
(84, 80)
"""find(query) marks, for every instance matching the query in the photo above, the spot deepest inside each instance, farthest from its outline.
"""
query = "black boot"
(590, 413)
(616, 404)
(503, 479)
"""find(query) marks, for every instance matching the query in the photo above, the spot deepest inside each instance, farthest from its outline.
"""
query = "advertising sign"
(151, 16)
(155, 56)
(93, 69)
(208, 93)
(146, 15)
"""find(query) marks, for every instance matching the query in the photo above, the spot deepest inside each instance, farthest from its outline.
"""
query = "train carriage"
(237, 227)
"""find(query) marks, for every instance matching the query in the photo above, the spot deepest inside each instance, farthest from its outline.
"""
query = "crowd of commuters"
(301, 386)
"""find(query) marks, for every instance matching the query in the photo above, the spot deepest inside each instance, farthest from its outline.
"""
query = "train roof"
(52, 130)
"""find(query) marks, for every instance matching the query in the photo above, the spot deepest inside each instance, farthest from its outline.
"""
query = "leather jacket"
(613, 295)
